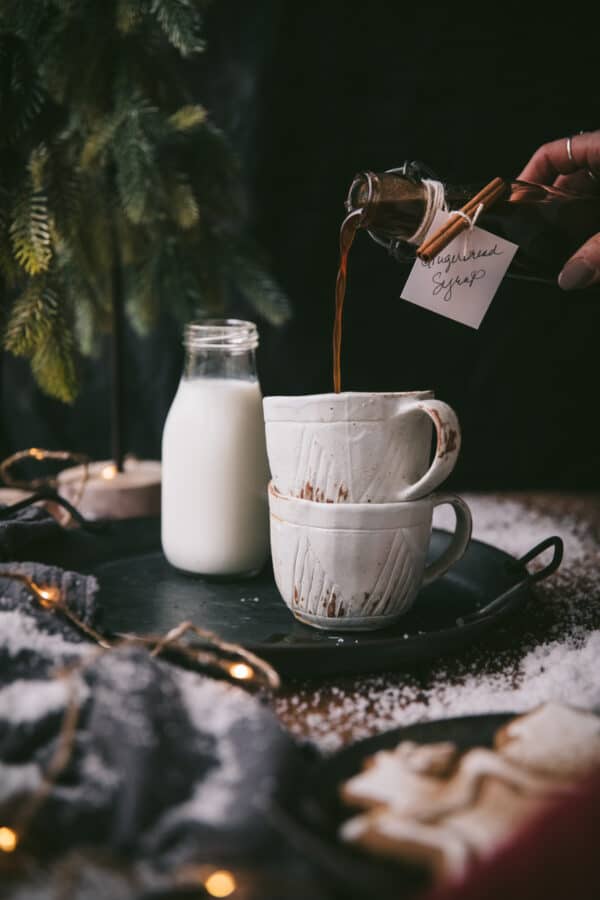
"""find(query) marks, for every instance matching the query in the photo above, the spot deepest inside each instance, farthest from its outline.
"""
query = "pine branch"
(181, 290)
(89, 322)
(258, 288)
(76, 52)
(130, 14)
(187, 117)
(90, 253)
(22, 18)
(21, 94)
(65, 196)
(181, 22)
(85, 327)
(182, 204)
(69, 7)
(8, 266)
(32, 317)
(181, 277)
(99, 141)
(138, 174)
(215, 177)
(133, 241)
(53, 364)
(142, 291)
(103, 146)
(37, 329)
(30, 229)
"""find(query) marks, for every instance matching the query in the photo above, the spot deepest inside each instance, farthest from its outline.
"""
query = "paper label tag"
(460, 282)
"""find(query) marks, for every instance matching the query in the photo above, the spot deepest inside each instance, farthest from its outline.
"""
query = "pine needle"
(32, 318)
(183, 205)
(30, 233)
(21, 94)
(182, 24)
(53, 366)
(188, 117)
(258, 287)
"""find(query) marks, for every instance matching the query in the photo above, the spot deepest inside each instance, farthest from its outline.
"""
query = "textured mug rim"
(322, 407)
(350, 516)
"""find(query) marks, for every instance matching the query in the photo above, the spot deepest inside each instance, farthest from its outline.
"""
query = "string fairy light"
(216, 882)
(9, 839)
(220, 883)
(50, 597)
(39, 455)
(47, 481)
(254, 670)
(241, 671)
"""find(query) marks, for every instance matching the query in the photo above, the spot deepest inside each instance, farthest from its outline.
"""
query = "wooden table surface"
(550, 651)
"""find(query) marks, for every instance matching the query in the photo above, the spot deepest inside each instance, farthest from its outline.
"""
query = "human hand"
(572, 163)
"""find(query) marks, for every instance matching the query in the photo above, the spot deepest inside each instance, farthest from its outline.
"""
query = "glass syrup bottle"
(547, 223)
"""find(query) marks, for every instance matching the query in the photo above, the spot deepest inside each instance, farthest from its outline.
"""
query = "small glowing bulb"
(109, 472)
(36, 453)
(9, 840)
(220, 884)
(48, 596)
(241, 671)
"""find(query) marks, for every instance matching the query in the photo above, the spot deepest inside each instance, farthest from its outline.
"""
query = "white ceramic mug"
(359, 447)
(357, 566)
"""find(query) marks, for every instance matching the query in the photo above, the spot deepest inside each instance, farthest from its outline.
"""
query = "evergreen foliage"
(106, 160)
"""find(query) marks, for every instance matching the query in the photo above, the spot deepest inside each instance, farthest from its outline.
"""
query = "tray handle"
(510, 597)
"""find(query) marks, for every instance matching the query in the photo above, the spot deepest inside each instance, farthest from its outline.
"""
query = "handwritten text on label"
(460, 282)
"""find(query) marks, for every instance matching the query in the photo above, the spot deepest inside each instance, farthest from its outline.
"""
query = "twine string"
(471, 222)
(435, 199)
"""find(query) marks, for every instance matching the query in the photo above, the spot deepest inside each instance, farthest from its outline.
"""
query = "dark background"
(312, 93)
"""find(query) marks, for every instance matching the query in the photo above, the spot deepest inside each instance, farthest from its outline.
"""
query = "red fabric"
(556, 857)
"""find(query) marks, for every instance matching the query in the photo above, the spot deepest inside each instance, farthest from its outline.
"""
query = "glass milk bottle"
(214, 461)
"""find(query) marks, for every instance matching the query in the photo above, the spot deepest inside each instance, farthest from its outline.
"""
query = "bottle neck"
(397, 208)
(221, 348)
(391, 205)
(212, 363)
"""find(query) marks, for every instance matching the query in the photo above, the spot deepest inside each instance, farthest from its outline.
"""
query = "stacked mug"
(351, 502)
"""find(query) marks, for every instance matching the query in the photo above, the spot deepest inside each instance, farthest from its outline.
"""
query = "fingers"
(579, 183)
(583, 269)
(552, 159)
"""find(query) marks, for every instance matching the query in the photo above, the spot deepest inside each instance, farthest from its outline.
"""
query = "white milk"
(214, 478)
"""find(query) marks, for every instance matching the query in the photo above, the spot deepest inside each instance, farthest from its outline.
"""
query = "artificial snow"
(555, 655)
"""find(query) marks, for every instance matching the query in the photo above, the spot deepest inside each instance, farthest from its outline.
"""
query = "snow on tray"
(553, 653)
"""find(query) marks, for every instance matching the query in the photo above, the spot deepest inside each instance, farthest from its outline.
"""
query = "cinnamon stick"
(456, 224)
(483, 196)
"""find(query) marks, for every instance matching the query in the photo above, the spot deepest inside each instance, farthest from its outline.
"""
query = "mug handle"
(446, 451)
(460, 539)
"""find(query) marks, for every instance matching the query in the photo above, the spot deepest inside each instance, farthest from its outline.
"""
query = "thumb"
(583, 269)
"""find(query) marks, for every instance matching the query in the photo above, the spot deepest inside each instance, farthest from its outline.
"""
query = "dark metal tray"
(311, 813)
(141, 593)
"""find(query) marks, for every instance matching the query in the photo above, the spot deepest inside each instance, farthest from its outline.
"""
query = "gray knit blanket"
(168, 768)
